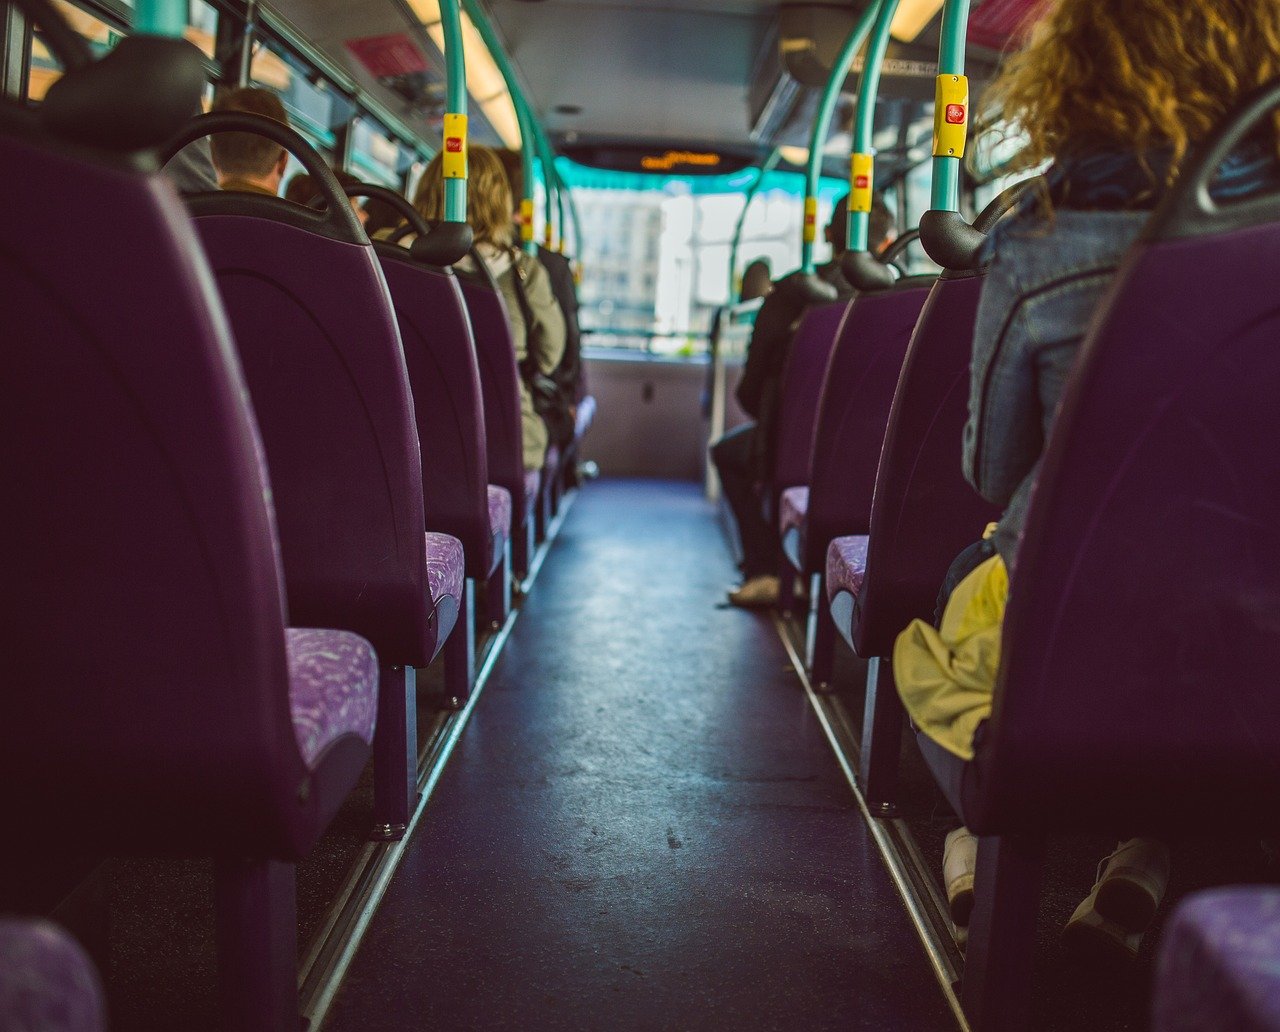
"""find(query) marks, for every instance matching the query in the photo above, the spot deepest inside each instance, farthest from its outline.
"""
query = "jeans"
(732, 455)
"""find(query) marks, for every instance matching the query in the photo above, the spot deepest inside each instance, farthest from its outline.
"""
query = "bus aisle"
(643, 825)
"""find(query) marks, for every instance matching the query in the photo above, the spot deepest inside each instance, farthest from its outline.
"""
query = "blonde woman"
(1115, 95)
(525, 285)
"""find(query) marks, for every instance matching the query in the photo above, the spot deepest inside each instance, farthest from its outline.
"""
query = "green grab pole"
(455, 190)
(945, 194)
(528, 167)
(528, 134)
(160, 18)
(859, 225)
(822, 125)
(771, 162)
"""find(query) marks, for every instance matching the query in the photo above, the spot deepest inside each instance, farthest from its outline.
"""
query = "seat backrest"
(500, 387)
(923, 511)
(145, 702)
(798, 397)
(440, 355)
(1142, 636)
(317, 337)
(853, 412)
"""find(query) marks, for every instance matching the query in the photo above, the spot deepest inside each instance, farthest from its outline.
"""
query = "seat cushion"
(333, 688)
(1220, 963)
(499, 511)
(585, 416)
(46, 980)
(444, 567)
(846, 565)
(552, 464)
(792, 509)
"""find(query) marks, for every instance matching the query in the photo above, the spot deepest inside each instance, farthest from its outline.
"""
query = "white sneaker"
(756, 593)
(1091, 937)
(959, 863)
(1132, 884)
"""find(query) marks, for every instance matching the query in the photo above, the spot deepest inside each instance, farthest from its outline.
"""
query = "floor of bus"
(642, 826)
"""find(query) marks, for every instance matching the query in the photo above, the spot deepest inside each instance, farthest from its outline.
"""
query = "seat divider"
(255, 901)
(395, 751)
(881, 739)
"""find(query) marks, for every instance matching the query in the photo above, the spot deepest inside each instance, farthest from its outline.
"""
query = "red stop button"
(453, 144)
(955, 114)
(862, 182)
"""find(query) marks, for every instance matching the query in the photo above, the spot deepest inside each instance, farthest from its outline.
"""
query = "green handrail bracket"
(822, 126)
(862, 178)
(455, 128)
(945, 194)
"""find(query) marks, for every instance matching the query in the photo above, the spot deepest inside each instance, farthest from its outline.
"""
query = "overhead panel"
(646, 70)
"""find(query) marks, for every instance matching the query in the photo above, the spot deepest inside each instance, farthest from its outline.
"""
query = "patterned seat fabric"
(46, 980)
(333, 688)
(846, 565)
(1220, 963)
(499, 511)
(444, 566)
(792, 509)
(585, 416)
(532, 478)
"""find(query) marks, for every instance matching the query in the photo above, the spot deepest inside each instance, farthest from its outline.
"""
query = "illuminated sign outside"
(674, 158)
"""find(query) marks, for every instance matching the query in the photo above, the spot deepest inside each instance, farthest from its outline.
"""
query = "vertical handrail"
(822, 125)
(769, 165)
(160, 18)
(454, 152)
(862, 178)
(524, 116)
(951, 108)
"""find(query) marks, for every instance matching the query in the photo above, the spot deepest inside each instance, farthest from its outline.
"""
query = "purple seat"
(845, 570)
(500, 387)
(797, 413)
(792, 508)
(1137, 679)
(149, 705)
(548, 497)
(923, 512)
(47, 983)
(320, 346)
(499, 511)
(1219, 963)
(853, 413)
(585, 416)
(333, 688)
(440, 356)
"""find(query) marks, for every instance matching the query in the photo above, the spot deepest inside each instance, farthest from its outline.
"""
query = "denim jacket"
(1045, 280)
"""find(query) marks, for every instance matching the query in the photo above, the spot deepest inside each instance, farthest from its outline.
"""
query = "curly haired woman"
(1116, 96)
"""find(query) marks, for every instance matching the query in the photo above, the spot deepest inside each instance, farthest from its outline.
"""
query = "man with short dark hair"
(246, 162)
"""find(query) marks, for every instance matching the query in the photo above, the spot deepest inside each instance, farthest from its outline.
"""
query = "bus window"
(375, 156)
(44, 69)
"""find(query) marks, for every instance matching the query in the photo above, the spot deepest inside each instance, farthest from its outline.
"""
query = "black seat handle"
(67, 45)
(1188, 209)
(957, 246)
(337, 215)
(440, 245)
(897, 246)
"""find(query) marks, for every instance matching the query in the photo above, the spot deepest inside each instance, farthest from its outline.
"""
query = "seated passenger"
(245, 162)
(537, 324)
(568, 376)
(1116, 96)
(744, 456)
